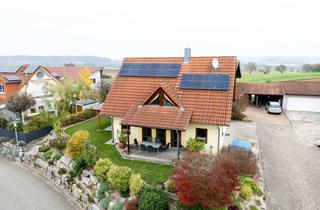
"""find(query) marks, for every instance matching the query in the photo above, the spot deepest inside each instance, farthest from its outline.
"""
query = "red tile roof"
(70, 72)
(153, 116)
(207, 106)
(301, 88)
(273, 88)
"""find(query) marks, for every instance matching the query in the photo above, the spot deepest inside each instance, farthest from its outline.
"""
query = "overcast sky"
(119, 28)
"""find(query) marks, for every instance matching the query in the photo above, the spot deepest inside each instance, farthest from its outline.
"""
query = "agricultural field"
(278, 77)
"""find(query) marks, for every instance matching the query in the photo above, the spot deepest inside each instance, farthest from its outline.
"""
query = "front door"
(174, 141)
(161, 136)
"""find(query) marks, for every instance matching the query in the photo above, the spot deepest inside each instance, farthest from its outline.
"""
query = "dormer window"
(160, 98)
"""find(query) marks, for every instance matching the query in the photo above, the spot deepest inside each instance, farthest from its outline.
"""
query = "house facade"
(171, 100)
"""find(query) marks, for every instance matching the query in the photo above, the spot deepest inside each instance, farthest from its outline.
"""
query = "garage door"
(302, 103)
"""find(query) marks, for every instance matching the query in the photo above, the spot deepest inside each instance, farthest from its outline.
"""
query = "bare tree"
(281, 68)
(307, 67)
(251, 67)
(266, 69)
(18, 103)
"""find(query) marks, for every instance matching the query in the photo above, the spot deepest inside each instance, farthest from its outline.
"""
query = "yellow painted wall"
(116, 128)
(210, 147)
(153, 134)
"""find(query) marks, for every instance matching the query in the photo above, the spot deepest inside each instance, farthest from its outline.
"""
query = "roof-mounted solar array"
(150, 69)
(205, 81)
(13, 79)
(9, 69)
(31, 69)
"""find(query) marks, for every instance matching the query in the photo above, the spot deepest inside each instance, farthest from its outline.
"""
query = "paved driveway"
(20, 189)
(291, 169)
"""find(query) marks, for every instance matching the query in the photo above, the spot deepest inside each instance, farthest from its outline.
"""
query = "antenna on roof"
(215, 64)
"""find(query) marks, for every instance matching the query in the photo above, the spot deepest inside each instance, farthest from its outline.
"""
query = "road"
(21, 189)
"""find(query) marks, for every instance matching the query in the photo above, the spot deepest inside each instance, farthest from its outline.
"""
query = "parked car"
(273, 107)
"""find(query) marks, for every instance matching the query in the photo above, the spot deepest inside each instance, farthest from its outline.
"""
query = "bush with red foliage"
(131, 204)
(240, 103)
(246, 160)
(205, 180)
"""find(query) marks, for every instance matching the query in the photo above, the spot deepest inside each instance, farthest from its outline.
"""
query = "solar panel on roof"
(9, 69)
(13, 78)
(150, 69)
(205, 81)
(31, 69)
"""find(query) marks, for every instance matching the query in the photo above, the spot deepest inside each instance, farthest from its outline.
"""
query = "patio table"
(154, 145)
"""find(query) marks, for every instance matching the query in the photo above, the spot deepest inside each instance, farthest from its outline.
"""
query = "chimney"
(187, 55)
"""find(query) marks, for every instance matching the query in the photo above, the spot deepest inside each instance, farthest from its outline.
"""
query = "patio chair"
(136, 142)
(143, 147)
(150, 148)
(157, 140)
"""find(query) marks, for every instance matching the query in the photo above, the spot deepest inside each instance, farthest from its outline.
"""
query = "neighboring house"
(158, 98)
(81, 105)
(32, 79)
(293, 95)
(72, 73)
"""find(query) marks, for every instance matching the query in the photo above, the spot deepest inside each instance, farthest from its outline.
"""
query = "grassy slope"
(151, 173)
(276, 76)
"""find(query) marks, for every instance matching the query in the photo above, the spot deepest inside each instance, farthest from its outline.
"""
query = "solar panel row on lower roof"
(9, 69)
(13, 78)
(205, 81)
(31, 69)
(150, 69)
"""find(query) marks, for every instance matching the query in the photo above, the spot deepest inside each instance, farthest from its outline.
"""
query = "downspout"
(112, 136)
(218, 152)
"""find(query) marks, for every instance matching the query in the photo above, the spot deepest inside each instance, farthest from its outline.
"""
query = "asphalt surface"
(21, 189)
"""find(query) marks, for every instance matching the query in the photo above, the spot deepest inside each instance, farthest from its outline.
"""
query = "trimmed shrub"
(253, 207)
(105, 202)
(252, 183)
(104, 186)
(62, 171)
(119, 178)
(59, 143)
(153, 199)
(22, 143)
(47, 155)
(10, 126)
(57, 156)
(246, 192)
(44, 148)
(42, 120)
(238, 116)
(135, 184)
(194, 145)
(78, 165)
(76, 144)
(170, 186)
(3, 123)
(117, 206)
(4, 139)
(101, 168)
(90, 154)
(246, 161)
(131, 204)
(75, 118)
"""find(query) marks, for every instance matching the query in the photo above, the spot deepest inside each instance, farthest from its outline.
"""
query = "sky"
(122, 28)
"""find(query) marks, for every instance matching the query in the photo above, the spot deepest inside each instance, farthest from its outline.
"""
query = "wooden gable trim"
(161, 93)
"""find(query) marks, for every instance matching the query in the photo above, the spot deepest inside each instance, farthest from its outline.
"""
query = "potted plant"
(122, 136)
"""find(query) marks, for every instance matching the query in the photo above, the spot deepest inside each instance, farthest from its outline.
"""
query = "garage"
(293, 95)
(301, 103)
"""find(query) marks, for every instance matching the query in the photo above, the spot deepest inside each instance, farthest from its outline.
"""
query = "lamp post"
(15, 130)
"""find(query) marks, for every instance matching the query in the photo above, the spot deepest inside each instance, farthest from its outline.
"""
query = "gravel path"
(20, 189)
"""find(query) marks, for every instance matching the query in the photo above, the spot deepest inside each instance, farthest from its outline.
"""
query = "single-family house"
(170, 100)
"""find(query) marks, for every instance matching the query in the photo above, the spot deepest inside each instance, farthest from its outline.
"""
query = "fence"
(26, 137)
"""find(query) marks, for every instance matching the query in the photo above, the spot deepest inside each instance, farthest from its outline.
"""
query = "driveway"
(291, 169)
(20, 189)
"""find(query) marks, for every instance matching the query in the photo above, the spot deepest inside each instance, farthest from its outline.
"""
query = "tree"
(69, 64)
(306, 68)
(251, 67)
(205, 180)
(266, 69)
(85, 76)
(281, 68)
(19, 103)
(103, 89)
(240, 103)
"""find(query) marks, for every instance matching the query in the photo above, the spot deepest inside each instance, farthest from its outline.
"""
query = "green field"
(150, 172)
(277, 76)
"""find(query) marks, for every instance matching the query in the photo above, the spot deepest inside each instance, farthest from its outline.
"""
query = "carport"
(260, 93)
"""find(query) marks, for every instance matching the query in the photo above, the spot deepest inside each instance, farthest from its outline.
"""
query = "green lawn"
(151, 172)
(277, 76)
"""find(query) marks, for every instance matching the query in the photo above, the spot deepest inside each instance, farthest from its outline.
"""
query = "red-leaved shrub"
(205, 180)
(131, 204)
